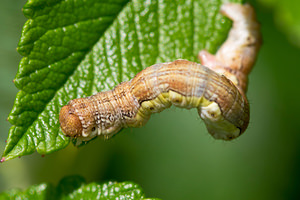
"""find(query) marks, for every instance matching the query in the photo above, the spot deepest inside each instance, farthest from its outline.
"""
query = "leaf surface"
(75, 187)
(76, 48)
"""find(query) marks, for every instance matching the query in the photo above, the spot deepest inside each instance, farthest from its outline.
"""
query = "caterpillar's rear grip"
(217, 91)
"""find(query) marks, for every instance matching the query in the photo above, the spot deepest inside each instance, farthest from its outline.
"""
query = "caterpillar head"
(69, 122)
(77, 122)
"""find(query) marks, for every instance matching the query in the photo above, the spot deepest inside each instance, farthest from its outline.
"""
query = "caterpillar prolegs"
(217, 90)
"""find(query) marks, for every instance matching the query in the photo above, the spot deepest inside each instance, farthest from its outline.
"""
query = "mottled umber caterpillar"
(217, 90)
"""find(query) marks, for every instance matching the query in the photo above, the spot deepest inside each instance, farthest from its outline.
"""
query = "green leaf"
(75, 187)
(287, 16)
(76, 48)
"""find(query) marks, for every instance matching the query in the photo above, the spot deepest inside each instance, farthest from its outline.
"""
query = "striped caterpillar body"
(217, 91)
(237, 55)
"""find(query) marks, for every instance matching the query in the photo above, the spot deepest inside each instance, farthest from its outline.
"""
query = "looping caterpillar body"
(237, 55)
(216, 90)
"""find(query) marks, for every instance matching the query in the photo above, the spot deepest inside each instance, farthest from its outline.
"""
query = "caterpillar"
(216, 90)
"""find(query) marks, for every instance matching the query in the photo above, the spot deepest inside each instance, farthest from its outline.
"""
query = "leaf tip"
(2, 160)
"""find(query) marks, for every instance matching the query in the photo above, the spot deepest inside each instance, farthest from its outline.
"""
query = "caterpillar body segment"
(237, 55)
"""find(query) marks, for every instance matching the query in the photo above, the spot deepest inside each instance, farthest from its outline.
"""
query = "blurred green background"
(173, 156)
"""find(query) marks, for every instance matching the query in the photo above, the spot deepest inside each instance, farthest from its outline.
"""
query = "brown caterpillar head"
(78, 122)
(69, 122)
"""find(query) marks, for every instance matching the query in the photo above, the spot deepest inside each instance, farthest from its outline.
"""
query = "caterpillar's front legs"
(238, 53)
